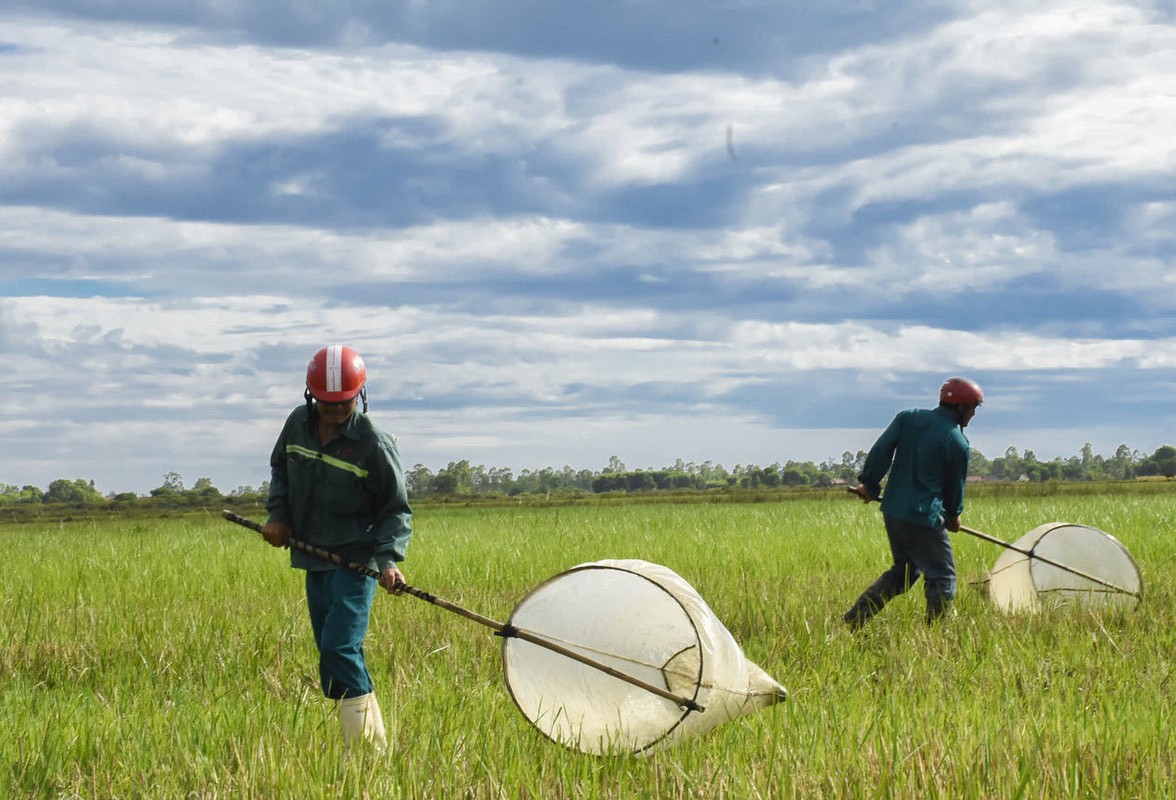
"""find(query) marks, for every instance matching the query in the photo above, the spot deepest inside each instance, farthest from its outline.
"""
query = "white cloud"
(983, 248)
(135, 343)
(1045, 97)
(856, 345)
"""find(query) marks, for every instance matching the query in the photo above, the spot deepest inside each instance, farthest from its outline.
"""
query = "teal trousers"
(340, 603)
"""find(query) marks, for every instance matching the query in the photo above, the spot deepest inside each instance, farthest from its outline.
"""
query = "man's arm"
(279, 486)
(392, 529)
(879, 459)
(955, 480)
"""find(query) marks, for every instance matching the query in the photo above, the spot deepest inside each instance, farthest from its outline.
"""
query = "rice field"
(172, 658)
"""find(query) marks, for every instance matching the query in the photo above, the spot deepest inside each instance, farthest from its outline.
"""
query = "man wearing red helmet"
(926, 453)
(336, 481)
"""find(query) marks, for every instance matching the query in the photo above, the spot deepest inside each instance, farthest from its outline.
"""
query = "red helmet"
(335, 374)
(961, 390)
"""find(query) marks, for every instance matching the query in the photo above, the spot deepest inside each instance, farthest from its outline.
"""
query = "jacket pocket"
(342, 493)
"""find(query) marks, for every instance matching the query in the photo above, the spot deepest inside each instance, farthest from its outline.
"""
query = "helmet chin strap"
(310, 409)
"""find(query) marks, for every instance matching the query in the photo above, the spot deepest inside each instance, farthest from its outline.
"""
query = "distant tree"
(1059, 469)
(1121, 466)
(581, 480)
(172, 484)
(640, 481)
(457, 476)
(479, 479)
(553, 481)
(13, 495)
(1161, 462)
(794, 475)
(1032, 469)
(500, 479)
(1007, 467)
(978, 464)
(204, 491)
(609, 482)
(1094, 466)
(444, 483)
(855, 462)
(418, 479)
(770, 475)
(527, 482)
(76, 491)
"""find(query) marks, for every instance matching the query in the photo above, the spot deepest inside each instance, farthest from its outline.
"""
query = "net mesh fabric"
(1018, 582)
(641, 619)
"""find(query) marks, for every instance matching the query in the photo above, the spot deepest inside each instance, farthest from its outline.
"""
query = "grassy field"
(173, 659)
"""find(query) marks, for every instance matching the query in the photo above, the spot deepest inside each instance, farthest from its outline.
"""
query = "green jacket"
(348, 496)
(926, 454)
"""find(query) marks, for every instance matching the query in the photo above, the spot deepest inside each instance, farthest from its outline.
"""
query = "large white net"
(642, 620)
(1069, 564)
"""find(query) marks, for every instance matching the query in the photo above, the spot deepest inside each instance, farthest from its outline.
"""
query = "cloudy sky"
(742, 231)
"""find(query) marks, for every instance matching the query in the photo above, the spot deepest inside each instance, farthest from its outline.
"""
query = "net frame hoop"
(689, 707)
(1030, 554)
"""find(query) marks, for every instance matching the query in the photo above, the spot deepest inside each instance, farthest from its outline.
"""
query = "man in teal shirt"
(926, 453)
(336, 482)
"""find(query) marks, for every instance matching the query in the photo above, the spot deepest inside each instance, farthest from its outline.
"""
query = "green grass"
(173, 658)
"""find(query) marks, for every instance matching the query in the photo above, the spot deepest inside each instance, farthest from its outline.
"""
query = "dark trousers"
(916, 551)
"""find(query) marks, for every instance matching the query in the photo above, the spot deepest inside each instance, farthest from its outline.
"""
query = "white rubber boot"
(360, 720)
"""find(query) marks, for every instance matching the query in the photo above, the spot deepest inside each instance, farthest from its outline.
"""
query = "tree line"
(460, 478)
